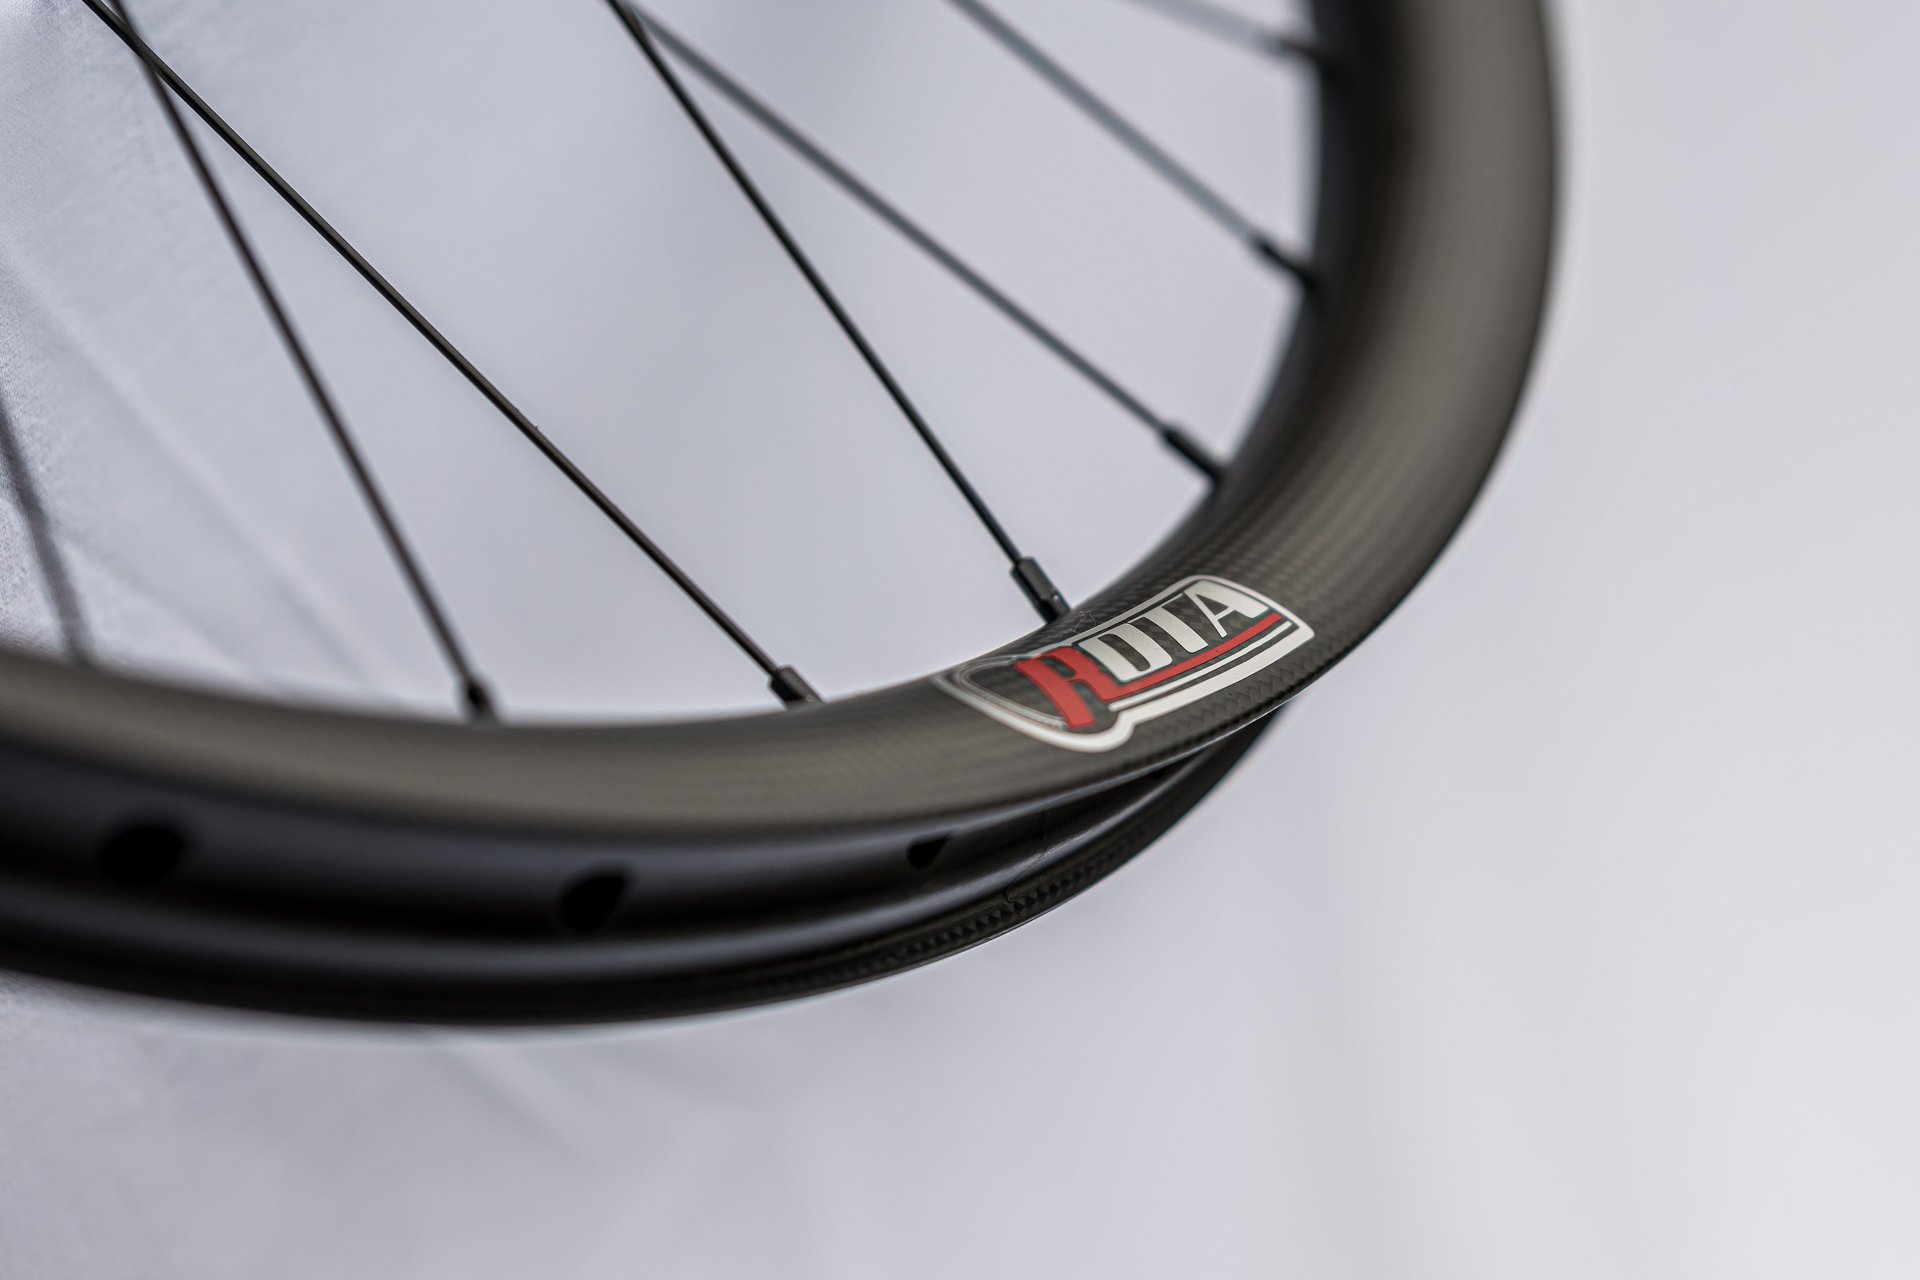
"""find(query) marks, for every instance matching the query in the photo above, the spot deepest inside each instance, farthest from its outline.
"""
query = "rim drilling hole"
(922, 853)
(590, 901)
(143, 854)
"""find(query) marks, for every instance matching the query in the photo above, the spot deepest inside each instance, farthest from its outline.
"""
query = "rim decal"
(1086, 693)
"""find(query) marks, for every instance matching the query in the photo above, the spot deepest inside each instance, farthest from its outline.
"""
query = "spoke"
(1235, 28)
(61, 594)
(1027, 572)
(782, 680)
(1124, 131)
(1176, 437)
(473, 692)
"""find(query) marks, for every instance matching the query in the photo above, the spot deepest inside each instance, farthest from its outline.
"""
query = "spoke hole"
(143, 854)
(590, 902)
(922, 854)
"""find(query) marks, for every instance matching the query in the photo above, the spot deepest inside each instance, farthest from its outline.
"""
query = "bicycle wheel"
(177, 841)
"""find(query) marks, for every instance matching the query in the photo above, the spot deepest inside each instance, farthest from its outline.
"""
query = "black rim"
(220, 849)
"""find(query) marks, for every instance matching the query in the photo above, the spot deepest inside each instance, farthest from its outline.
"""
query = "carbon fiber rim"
(185, 844)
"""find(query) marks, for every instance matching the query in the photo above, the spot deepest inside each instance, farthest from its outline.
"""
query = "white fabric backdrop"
(1566, 931)
(515, 169)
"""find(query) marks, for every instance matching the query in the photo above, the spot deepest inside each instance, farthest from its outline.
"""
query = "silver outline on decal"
(1141, 707)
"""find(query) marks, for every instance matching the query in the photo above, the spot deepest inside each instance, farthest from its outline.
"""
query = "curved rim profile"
(197, 845)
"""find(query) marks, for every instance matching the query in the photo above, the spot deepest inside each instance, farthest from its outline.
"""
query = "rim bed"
(344, 864)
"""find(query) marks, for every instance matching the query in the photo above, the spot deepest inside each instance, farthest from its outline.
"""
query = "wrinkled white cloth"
(518, 172)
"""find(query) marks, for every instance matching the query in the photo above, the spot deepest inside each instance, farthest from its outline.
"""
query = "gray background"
(1565, 931)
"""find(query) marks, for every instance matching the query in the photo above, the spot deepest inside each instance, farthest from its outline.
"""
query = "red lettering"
(1059, 686)
(1069, 690)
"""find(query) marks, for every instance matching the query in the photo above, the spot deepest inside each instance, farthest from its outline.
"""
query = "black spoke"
(1176, 437)
(1235, 28)
(473, 691)
(1027, 572)
(18, 473)
(783, 680)
(1150, 153)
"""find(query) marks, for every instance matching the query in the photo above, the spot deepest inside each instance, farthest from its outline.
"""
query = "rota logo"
(1088, 692)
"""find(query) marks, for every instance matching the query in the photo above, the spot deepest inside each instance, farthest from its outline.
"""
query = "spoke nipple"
(792, 688)
(1282, 45)
(479, 702)
(1040, 589)
(1264, 246)
(1183, 442)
